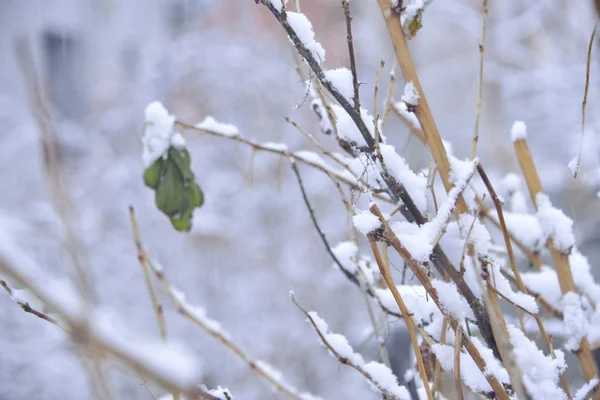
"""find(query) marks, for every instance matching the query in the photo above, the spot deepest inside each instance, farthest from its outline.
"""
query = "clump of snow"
(410, 96)
(278, 3)
(420, 304)
(408, 115)
(574, 165)
(470, 373)
(584, 280)
(544, 282)
(210, 124)
(221, 393)
(518, 131)
(338, 342)
(275, 146)
(526, 228)
(158, 130)
(347, 129)
(576, 321)
(385, 378)
(512, 184)
(586, 389)
(412, 9)
(415, 185)
(555, 224)
(365, 222)
(460, 171)
(541, 373)
(178, 141)
(304, 30)
(341, 79)
(346, 253)
(451, 300)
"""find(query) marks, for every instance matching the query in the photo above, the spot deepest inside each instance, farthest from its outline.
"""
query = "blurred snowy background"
(103, 61)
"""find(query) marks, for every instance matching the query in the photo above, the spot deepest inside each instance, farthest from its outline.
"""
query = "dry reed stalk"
(424, 279)
(387, 276)
(561, 260)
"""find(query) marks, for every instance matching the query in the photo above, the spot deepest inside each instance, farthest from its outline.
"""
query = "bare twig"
(343, 360)
(484, 13)
(144, 263)
(585, 95)
(561, 260)
(348, 16)
(423, 277)
(359, 185)
(320, 75)
(387, 276)
(26, 306)
(457, 353)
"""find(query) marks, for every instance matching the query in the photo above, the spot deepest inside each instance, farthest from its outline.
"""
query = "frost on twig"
(377, 374)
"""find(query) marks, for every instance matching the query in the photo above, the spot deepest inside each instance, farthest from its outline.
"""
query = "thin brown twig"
(387, 276)
(484, 14)
(423, 277)
(585, 96)
(350, 40)
(26, 306)
(457, 353)
(359, 185)
(343, 360)
(320, 75)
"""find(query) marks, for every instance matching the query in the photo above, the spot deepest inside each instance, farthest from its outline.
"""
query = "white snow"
(541, 373)
(341, 79)
(178, 141)
(415, 185)
(275, 146)
(518, 131)
(211, 124)
(451, 300)
(410, 96)
(304, 30)
(347, 253)
(555, 224)
(585, 390)
(416, 299)
(158, 130)
(584, 280)
(576, 321)
(386, 379)
(544, 282)
(348, 130)
(409, 116)
(574, 165)
(365, 222)
(469, 371)
(526, 228)
(411, 10)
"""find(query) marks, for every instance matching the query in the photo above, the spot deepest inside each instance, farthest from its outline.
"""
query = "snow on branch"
(377, 374)
(170, 366)
(198, 316)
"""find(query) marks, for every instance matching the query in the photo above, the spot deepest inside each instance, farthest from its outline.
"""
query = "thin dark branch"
(349, 275)
(348, 15)
(320, 74)
(25, 306)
